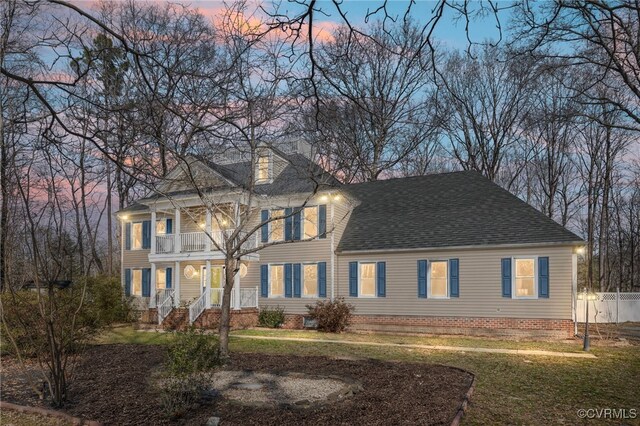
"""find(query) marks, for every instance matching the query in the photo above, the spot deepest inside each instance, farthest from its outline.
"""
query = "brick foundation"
(526, 327)
(244, 318)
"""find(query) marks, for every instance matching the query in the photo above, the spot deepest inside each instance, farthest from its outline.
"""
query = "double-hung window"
(367, 279)
(136, 282)
(263, 170)
(161, 227)
(136, 236)
(524, 283)
(161, 279)
(438, 285)
(277, 226)
(310, 222)
(310, 280)
(276, 278)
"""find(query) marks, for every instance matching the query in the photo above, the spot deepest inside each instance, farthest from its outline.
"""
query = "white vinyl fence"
(611, 308)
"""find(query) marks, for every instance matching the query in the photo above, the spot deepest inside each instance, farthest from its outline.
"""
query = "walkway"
(429, 347)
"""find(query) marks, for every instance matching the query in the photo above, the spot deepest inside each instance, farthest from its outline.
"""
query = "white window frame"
(271, 239)
(304, 220)
(141, 236)
(284, 284)
(314, 296)
(429, 295)
(375, 279)
(535, 277)
(132, 286)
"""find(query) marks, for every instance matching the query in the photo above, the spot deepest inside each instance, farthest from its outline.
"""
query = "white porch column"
(152, 294)
(574, 291)
(153, 234)
(177, 242)
(176, 294)
(207, 228)
(207, 280)
(236, 290)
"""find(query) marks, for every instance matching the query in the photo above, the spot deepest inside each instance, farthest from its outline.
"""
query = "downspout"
(333, 255)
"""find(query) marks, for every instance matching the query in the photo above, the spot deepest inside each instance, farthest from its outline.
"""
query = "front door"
(216, 284)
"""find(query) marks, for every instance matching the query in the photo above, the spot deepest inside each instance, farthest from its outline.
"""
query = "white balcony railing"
(199, 241)
(193, 241)
(165, 243)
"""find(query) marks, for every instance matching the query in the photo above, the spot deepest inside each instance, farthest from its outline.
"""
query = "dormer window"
(263, 172)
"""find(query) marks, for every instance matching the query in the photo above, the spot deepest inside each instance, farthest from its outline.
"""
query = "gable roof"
(443, 210)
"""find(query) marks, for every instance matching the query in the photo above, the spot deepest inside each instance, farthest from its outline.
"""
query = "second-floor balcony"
(190, 242)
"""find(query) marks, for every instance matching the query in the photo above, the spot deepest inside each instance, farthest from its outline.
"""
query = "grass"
(14, 418)
(509, 389)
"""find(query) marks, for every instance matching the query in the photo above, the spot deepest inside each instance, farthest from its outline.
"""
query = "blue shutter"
(169, 277)
(297, 234)
(264, 217)
(127, 236)
(353, 279)
(543, 277)
(287, 279)
(169, 226)
(264, 280)
(146, 282)
(288, 224)
(422, 278)
(382, 279)
(454, 278)
(297, 278)
(127, 282)
(322, 221)
(506, 277)
(146, 234)
(322, 279)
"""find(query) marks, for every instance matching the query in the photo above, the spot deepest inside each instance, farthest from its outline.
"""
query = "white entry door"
(215, 285)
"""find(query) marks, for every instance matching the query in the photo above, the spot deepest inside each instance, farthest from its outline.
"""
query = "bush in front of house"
(332, 316)
(105, 297)
(271, 317)
(191, 360)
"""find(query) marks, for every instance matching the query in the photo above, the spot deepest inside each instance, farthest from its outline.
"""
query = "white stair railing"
(198, 307)
(249, 297)
(165, 305)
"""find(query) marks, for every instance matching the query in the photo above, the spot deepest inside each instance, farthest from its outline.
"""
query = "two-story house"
(449, 252)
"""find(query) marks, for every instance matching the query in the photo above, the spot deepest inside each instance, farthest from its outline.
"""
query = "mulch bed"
(112, 386)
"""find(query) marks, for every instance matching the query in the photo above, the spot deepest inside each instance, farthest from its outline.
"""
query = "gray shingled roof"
(443, 210)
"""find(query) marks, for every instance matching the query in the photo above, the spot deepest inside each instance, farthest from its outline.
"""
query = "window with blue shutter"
(264, 217)
(506, 277)
(169, 226)
(322, 221)
(454, 278)
(127, 282)
(146, 234)
(322, 279)
(297, 280)
(422, 279)
(353, 279)
(146, 282)
(381, 277)
(288, 281)
(543, 277)
(127, 236)
(168, 277)
(264, 280)
(297, 228)
(288, 224)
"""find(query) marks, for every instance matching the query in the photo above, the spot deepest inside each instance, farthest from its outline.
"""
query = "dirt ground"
(112, 385)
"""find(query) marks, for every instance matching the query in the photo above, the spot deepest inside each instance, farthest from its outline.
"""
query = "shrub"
(271, 317)
(192, 356)
(105, 297)
(192, 352)
(332, 316)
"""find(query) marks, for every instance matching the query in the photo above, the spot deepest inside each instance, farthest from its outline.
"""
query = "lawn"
(510, 389)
